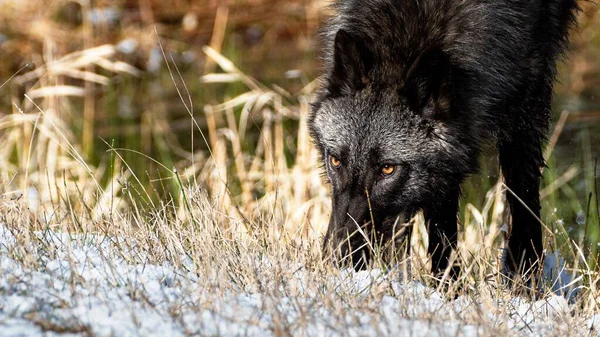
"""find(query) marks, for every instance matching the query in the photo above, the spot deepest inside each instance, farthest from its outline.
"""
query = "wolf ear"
(352, 61)
(429, 85)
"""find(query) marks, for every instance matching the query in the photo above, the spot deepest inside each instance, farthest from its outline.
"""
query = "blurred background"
(101, 100)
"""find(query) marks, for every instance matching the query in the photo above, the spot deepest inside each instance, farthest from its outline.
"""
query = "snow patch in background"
(557, 278)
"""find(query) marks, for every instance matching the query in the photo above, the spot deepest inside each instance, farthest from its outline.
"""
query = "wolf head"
(390, 136)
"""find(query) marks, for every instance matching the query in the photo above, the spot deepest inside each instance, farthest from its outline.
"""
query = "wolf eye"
(387, 169)
(336, 163)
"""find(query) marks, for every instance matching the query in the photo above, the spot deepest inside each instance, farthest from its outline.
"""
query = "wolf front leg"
(521, 159)
(442, 227)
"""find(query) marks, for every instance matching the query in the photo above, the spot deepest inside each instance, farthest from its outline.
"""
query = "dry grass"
(258, 240)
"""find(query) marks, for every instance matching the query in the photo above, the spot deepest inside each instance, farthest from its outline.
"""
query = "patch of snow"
(558, 279)
(85, 287)
(593, 324)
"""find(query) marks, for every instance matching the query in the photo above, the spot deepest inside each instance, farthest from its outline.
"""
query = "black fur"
(420, 85)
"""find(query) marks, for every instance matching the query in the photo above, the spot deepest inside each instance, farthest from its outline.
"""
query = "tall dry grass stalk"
(294, 198)
(40, 158)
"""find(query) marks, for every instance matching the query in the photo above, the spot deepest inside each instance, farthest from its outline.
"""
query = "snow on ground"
(85, 288)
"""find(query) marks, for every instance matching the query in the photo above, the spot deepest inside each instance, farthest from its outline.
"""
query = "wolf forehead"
(377, 127)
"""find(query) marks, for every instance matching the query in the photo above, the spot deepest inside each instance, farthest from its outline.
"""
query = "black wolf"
(411, 91)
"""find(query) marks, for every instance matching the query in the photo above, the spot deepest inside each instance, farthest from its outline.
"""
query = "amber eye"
(387, 169)
(336, 163)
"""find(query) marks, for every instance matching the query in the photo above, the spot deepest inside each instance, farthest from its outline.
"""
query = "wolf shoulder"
(464, 28)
